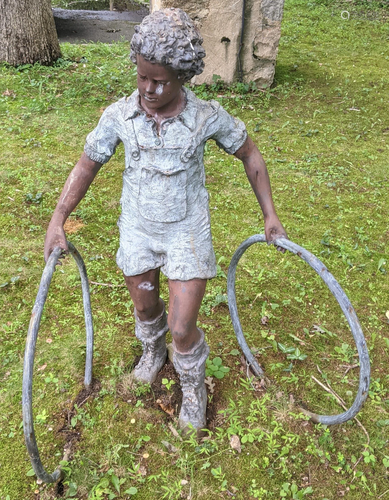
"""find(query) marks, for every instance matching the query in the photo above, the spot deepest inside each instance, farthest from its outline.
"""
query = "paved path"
(77, 26)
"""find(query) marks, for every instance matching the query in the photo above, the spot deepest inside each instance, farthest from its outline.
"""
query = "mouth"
(149, 99)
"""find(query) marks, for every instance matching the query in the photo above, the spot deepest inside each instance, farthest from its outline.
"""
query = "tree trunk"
(27, 32)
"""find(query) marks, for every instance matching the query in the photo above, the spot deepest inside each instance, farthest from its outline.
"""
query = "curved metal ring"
(345, 304)
(28, 421)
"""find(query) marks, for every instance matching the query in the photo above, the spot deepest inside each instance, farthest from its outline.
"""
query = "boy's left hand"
(273, 230)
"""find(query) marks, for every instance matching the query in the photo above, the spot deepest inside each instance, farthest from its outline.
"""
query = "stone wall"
(220, 23)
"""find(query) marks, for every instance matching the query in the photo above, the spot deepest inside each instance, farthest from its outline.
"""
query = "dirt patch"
(70, 433)
(168, 402)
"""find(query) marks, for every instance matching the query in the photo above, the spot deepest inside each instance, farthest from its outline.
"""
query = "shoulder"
(201, 104)
(124, 108)
(199, 112)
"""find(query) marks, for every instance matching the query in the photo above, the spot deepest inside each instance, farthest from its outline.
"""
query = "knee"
(149, 310)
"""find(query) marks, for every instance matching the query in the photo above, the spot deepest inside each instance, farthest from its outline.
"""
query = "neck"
(174, 108)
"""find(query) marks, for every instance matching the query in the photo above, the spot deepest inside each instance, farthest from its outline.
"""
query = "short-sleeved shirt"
(165, 221)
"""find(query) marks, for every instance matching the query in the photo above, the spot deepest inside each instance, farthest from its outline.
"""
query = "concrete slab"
(77, 26)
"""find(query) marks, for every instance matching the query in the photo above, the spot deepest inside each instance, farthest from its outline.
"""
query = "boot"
(152, 335)
(191, 369)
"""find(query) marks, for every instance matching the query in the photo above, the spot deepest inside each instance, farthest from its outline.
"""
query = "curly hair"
(169, 37)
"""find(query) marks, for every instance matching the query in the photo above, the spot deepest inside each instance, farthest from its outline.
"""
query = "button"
(157, 142)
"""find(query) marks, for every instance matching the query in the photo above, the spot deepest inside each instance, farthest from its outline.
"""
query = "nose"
(150, 87)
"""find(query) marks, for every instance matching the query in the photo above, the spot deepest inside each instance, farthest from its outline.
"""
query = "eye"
(141, 77)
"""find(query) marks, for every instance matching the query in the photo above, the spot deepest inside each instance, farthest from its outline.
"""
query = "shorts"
(182, 250)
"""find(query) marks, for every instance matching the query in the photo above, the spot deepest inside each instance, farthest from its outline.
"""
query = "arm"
(258, 176)
(76, 186)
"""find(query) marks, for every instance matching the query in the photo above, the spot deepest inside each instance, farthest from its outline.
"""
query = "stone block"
(236, 50)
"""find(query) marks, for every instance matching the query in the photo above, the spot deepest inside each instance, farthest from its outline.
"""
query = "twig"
(83, 401)
(343, 405)
(338, 398)
(384, 493)
(248, 374)
(106, 284)
(349, 367)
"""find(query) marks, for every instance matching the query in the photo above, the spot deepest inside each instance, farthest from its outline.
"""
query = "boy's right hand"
(55, 237)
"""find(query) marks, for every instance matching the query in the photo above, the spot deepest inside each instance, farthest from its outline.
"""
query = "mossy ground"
(323, 131)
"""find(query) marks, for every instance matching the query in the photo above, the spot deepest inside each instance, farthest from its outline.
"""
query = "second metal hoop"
(340, 296)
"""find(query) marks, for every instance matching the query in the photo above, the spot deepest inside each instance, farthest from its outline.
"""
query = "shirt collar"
(187, 115)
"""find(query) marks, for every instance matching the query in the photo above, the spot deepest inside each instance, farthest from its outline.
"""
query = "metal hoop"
(28, 421)
(340, 296)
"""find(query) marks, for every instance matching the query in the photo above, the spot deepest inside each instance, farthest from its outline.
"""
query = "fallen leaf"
(209, 382)
(170, 448)
(41, 368)
(145, 455)
(316, 328)
(9, 93)
(174, 431)
(235, 443)
(184, 482)
(166, 408)
(387, 314)
(142, 470)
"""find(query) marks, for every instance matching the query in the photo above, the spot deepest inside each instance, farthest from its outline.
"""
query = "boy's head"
(169, 37)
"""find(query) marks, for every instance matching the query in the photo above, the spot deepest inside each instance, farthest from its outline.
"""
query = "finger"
(280, 249)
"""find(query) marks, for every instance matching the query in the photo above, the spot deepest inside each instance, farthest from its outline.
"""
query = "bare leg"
(144, 291)
(184, 304)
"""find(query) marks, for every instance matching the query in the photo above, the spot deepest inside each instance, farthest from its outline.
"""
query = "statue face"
(159, 88)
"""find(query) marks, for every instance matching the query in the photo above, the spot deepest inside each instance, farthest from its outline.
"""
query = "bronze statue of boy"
(165, 223)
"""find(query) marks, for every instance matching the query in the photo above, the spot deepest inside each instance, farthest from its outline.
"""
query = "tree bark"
(27, 32)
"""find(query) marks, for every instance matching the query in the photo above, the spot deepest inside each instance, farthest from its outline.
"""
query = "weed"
(167, 383)
(292, 491)
(215, 368)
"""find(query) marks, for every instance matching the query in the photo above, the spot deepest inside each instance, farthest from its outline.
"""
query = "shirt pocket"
(162, 194)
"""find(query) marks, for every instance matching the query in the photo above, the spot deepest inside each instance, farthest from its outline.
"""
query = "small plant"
(104, 486)
(256, 491)
(292, 353)
(218, 474)
(41, 417)
(168, 383)
(215, 368)
(31, 198)
(291, 491)
(141, 389)
(82, 416)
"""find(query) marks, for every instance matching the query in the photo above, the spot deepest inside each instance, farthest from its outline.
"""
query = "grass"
(323, 129)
